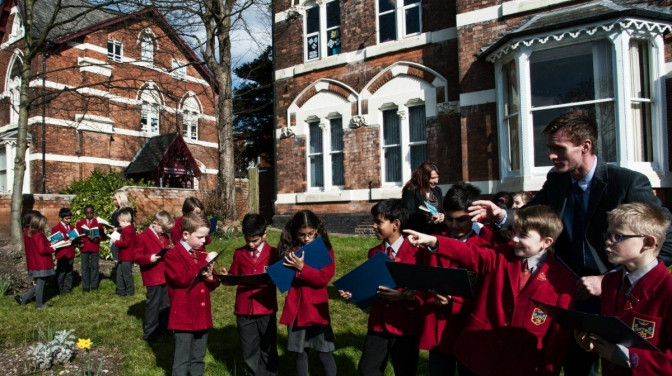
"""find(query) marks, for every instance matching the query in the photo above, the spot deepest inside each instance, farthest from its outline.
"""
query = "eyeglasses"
(306, 235)
(615, 237)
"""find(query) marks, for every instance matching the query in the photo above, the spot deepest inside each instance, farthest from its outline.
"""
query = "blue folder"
(363, 281)
(316, 256)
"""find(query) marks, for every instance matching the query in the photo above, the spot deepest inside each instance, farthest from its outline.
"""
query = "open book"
(61, 244)
(104, 222)
(86, 231)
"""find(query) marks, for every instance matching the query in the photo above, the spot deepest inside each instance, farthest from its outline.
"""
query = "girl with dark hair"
(306, 310)
(423, 188)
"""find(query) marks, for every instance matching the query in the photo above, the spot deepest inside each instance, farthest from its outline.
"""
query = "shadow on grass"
(137, 310)
(224, 347)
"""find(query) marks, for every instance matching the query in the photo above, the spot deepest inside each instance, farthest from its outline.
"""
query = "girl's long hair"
(420, 177)
(305, 218)
(38, 223)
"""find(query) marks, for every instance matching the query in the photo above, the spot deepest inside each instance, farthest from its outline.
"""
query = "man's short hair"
(254, 225)
(460, 196)
(193, 221)
(391, 209)
(579, 125)
(540, 218)
(643, 219)
(165, 220)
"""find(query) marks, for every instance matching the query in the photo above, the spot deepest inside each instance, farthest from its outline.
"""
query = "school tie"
(578, 227)
(390, 252)
(255, 255)
(524, 276)
(626, 286)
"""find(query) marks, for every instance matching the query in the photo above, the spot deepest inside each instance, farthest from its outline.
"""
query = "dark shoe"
(120, 294)
(18, 299)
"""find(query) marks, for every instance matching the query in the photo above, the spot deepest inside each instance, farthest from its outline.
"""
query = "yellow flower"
(84, 343)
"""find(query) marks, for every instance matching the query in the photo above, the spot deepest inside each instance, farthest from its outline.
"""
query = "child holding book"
(38, 258)
(256, 306)
(65, 256)
(446, 316)
(639, 292)
(147, 254)
(507, 332)
(90, 248)
(190, 312)
(125, 242)
(395, 320)
(306, 310)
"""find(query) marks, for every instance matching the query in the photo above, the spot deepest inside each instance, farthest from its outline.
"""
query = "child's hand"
(154, 258)
(602, 346)
(208, 272)
(438, 218)
(487, 210)
(223, 271)
(418, 239)
(345, 294)
(395, 295)
(583, 340)
(589, 286)
(295, 262)
(440, 300)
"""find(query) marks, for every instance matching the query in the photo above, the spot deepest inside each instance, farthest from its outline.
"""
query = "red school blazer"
(38, 251)
(519, 338)
(648, 311)
(397, 318)
(64, 252)
(176, 232)
(88, 245)
(254, 300)
(307, 302)
(149, 243)
(190, 309)
(126, 243)
(442, 324)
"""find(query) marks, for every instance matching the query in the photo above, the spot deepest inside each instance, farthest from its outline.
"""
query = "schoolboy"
(148, 244)
(394, 321)
(190, 312)
(190, 204)
(90, 249)
(639, 292)
(125, 241)
(256, 306)
(516, 336)
(445, 316)
(65, 256)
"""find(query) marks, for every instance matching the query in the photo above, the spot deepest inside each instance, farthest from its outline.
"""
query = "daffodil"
(84, 343)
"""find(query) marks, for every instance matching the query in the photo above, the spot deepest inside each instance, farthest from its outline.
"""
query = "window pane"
(409, 2)
(388, 27)
(417, 123)
(336, 134)
(391, 133)
(333, 14)
(385, 5)
(510, 88)
(640, 83)
(393, 164)
(514, 142)
(418, 155)
(413, 20)
(316, 171)
(313, 46)
(315, 138)
(337, 170)
(312, 20)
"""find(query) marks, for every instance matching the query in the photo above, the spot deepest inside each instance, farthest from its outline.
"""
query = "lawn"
(114, 324)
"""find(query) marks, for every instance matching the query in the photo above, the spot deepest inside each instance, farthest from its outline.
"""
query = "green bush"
(97, 190)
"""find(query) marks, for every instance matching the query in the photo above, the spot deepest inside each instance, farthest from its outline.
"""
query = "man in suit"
(582, 188)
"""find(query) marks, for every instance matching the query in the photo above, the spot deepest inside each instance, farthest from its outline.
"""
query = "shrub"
(5, 283)
(59, 349)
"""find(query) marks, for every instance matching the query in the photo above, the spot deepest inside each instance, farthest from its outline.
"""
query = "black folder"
(363, 281)
(611, 328)
(203, 269)
(445, 281)
(244, 279)
(162, 252)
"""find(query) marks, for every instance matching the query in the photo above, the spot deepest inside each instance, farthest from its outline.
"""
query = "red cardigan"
(64, 252)
(442, 324)
(126, 243)
(397, 318)
(88, 245)
(647, 310)
(518, 337)
(38, 251)
(307, 302)
(149, 243)
(254, 300)
(190, 309)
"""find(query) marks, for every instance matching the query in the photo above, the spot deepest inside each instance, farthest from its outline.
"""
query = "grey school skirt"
(320, 338)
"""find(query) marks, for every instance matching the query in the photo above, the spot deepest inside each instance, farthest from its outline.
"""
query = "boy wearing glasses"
(639, 292)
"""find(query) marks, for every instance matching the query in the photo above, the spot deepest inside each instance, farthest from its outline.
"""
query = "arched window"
(149, 115)
(147, 48)
(12, 88)
(190, 114)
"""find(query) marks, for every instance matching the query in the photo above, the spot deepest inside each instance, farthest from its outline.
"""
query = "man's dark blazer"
(610, 187)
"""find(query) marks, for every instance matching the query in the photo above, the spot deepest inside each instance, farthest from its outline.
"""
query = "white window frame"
(325, 125)
(4, 169)
(179, 70)
(150, 111)
(147, 48)
(405, 143)
(190, 125)
(400, 20)
(323, 32)
(117, 52)
(625, 139)
(17, 26)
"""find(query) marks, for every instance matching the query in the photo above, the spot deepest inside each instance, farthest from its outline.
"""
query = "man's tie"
(578, 227)
(524, 276)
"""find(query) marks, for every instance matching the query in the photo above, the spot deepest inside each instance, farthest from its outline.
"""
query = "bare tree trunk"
(226, 190)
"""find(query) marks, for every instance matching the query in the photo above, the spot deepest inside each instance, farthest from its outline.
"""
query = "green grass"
(114, 324)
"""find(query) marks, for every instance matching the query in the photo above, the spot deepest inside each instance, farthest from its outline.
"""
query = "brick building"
(367, 90)
(112, 81)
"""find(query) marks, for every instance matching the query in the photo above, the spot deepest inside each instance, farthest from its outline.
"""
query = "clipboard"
(162, 252)
(202, 269)
(244, 279)
(363, 281)
(445, 281)
(316, 256)
(611, 328)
